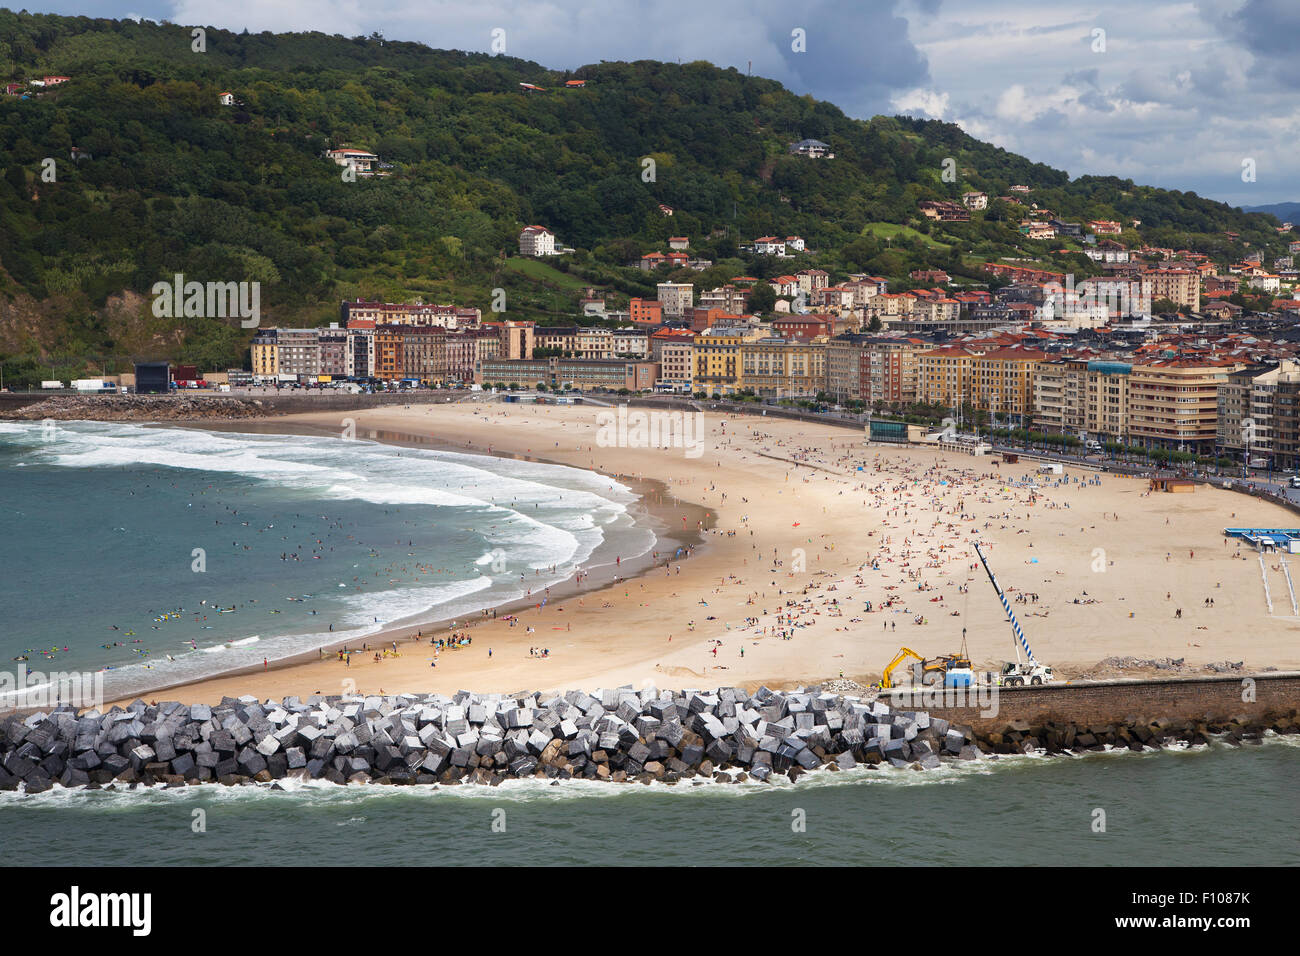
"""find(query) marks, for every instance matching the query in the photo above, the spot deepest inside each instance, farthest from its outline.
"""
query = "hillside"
(176, 182)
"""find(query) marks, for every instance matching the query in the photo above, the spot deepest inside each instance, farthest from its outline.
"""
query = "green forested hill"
(176, 182)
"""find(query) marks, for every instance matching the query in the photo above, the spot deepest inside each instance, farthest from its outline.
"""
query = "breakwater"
(617, 735)
(1253, 700)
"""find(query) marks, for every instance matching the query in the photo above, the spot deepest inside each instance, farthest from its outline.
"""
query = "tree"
(762, 298)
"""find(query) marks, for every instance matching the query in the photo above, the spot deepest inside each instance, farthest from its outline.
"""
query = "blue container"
(958, 678)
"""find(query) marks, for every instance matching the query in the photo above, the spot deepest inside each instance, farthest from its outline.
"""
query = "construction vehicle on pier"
(1020, 671)
(948, 670)
(886, 679)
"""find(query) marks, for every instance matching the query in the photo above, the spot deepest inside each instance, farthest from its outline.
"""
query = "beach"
(1095, 564)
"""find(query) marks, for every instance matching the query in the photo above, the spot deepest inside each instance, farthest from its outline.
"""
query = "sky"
(1196, 95)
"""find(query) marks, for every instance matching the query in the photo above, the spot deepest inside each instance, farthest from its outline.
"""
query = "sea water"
(164, 554)
(1204, 806)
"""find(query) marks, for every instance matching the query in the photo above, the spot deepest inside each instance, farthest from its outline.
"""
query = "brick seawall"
(1209, 699)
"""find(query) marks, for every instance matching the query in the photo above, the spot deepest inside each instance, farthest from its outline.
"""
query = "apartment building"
(1180, 286)
(728, 298)
(717, 360)
(554, 338)
(646, 312)
(388, 353)
(333, 352)
(1106, 398)
(805, 327)
(783, 368)
(1173, 403)
(943, 375)
(298, 352)
(423, 354)
(360, 355)
(676, 364)
(1235, 431)
(1002, 381)
(1286, 419)
(631, 343)
(676, 298)
(465, 349)
(265, 353)
(846, 368)
(409, 313)
(594, 343)
(1058, 387)
(518, 339)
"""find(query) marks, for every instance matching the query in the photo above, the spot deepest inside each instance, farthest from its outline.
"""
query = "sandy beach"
(810, 525)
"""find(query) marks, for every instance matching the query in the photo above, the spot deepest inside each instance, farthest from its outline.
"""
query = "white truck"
(51, 384)
(93, 385)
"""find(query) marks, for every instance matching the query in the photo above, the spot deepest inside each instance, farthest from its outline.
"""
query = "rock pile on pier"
(132, 408)
(619, 735)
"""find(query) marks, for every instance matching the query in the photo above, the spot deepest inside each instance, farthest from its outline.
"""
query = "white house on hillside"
(359, 160)
(536, 241)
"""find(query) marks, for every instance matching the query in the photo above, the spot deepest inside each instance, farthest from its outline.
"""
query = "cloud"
(1182, 92)
(931, 103)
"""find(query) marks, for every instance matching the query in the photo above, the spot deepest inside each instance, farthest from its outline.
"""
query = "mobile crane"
(1018, 672)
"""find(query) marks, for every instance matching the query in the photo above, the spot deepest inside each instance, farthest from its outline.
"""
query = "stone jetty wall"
(1216, 699)
(617, 735)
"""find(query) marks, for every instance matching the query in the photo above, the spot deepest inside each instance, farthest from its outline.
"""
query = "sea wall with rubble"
(620, 735)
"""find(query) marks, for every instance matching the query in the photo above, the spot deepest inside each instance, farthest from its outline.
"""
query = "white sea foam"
(532, 515)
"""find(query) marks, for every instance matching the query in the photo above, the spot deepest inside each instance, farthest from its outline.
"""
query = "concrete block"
(719, 750)
(250, 762)
(185, 766)
(164, 749)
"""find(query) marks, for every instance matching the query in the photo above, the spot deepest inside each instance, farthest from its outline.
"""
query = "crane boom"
(1006, 606)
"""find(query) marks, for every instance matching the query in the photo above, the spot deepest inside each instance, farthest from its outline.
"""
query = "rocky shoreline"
(618, 735)
(132, 408)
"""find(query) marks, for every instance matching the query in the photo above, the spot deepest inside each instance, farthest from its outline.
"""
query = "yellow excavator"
(886, 679)
(932, 671)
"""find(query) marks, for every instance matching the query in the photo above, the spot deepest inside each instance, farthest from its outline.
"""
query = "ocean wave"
(530, 515)
(322, 793)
